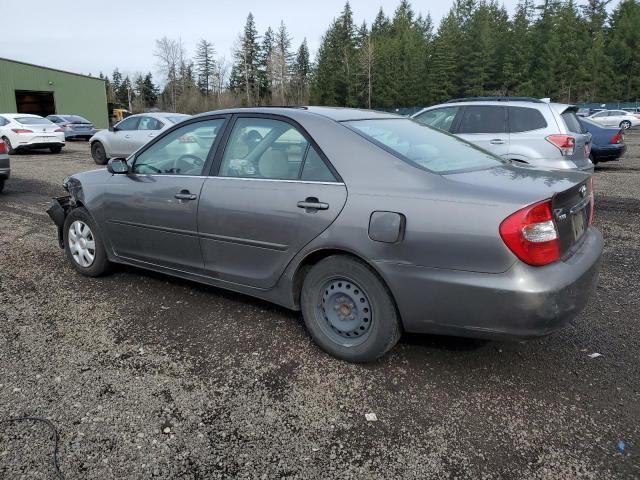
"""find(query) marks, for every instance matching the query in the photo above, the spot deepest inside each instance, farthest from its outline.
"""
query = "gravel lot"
(146, 376)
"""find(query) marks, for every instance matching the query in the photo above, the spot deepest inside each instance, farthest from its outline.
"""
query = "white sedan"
(130, 134)
(22, 131)
(615, 118)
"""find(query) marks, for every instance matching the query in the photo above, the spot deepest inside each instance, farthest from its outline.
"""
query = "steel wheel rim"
(82, 244)
(346, 315)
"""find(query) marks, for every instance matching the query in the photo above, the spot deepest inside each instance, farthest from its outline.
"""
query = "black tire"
(98, 153)
(365, 342)
(10, 149)
(593, 160)
(625, 124)
(1, 184)
(55, 149)
(100, 264)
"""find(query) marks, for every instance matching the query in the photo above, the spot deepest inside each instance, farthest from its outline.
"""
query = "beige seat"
(274, 164)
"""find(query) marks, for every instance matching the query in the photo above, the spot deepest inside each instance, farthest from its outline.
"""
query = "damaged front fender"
(58, 211)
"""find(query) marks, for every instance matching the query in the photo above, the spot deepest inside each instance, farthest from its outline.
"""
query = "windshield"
(423, 146)
(33, 121)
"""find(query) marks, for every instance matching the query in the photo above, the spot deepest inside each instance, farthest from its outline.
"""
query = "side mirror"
(118, 166)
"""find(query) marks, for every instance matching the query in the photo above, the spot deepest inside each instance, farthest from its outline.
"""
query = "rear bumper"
(39, 145)
(80, 133)
(608, 152)
(520, 303)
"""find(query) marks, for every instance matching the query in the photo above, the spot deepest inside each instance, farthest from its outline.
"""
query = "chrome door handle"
(185, 195)
(497, 141)
(127, 136)
(313, 204)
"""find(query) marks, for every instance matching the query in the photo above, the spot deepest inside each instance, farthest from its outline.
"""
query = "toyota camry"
(369, 223)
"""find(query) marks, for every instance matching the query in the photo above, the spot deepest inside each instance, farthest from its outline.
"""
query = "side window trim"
(224, 143)
(212, 151)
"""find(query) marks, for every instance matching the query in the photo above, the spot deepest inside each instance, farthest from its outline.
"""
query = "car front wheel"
(348, 310)
(98, 153)
(82, 244)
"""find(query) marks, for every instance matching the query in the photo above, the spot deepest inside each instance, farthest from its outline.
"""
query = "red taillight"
(616, 139)
(67, 125)
(531, 234)
(21, 130)
(3, 147)
(565, 143)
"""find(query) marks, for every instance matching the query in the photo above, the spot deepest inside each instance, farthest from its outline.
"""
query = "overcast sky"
(91, 36)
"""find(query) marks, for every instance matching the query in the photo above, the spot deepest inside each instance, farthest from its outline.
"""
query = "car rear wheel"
(7, 142)
(626, 124)
(83, 245)
(55, 149)
(98, 153)
(348, 310)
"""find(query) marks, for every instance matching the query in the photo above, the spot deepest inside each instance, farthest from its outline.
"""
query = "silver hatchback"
(525, 130)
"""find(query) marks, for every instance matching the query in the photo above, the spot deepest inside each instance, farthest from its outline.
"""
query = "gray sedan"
(130, 134)
(369, 223)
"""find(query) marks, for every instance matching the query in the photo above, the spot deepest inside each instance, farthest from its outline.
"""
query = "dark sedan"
(369, 223)
(607, 143)
(74, 126)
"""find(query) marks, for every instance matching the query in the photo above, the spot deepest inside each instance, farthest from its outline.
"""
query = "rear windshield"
(75, 119)
(571, 121)
(423, 146)
(33, 121)
(177, 119)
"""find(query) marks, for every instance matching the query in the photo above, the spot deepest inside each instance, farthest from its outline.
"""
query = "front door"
(274, 193)
(120, 138)
(485, 126)
(151, 213)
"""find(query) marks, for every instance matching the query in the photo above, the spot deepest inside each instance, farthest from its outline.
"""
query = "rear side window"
(482, 119)
(423, 146)
(523, 119)
(571, 121)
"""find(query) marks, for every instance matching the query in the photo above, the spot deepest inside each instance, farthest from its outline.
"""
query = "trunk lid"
(573, 211)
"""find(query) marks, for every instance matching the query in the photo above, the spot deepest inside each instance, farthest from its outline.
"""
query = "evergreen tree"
(624, 45)
(116, 85)
(205, 65)
(245, 71)
(301, 72)
(265, 70)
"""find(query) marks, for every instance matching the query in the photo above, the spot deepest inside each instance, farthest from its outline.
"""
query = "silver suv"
(527, 130)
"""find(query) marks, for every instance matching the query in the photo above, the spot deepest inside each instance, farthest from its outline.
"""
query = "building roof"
(49, 68)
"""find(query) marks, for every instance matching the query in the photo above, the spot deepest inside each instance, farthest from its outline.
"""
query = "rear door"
(485, 126)
(582, 148)
(274, 193)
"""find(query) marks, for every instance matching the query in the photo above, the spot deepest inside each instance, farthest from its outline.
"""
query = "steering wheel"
(189, 160)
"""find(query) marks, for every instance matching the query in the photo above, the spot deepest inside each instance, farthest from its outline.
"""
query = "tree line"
(571, 52)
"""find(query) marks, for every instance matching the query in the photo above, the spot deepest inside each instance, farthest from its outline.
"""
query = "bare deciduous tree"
(170, 54)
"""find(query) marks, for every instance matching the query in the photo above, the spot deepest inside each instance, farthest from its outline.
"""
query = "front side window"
(482, 119)
(441, 118)
(522, 119)
(127, 124)
(264, 148)
(423, 146)
(183, 151)
(149, 123)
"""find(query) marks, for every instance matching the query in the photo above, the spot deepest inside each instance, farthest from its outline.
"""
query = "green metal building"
(26, 88)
